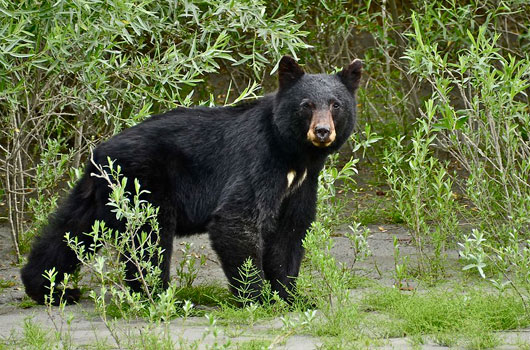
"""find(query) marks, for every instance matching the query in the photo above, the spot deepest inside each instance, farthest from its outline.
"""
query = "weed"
(476, 95)
(423, 193)
(292, 325)
(329, 204)
(27, 303)
(6, 283)
(48, 174)
(322, 280)
(187, 268)
(359, 242)
(250, 287)
(152, 340)
(138, 245)
(510, 261)
(401, 264)
(36, 337)
(445, 339)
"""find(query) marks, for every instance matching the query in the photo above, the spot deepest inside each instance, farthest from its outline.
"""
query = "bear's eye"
(305, 105)
(336, 105)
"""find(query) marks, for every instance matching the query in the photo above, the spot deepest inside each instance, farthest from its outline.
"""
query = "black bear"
(246, 174)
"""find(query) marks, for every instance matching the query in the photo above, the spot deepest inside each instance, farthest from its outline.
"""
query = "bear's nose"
(322, 133)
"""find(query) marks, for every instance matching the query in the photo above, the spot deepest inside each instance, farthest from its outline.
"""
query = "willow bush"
(74, 72)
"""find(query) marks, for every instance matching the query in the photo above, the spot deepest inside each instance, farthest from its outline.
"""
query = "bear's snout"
(322, 129)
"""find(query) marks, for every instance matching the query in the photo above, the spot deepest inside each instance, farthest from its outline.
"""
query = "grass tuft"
(445, 314)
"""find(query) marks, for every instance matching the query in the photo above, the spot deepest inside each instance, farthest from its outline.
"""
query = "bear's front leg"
(283, 251)
(235, 237)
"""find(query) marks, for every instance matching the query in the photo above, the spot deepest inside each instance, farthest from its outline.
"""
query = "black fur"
(222, 170)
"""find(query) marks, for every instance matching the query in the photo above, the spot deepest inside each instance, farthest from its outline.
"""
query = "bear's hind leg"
(51, 251)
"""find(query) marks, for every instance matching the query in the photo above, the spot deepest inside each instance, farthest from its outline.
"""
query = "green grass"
(337, 323)
(366, 207)
(5, 283)
(207, 294)
(33, 337)
(230, 314)
(463, 316)
(337, 328)
(448, 314)
(26, 303)
(380, 210)
(212, 295)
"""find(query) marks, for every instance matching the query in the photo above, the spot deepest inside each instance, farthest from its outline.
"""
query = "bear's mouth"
(321, 144)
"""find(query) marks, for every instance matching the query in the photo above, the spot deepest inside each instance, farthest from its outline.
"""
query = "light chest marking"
(291, 176)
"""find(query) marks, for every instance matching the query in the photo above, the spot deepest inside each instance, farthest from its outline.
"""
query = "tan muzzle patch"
(322, 129)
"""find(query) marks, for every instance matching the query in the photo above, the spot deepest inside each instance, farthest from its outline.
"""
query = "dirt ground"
(87, 328)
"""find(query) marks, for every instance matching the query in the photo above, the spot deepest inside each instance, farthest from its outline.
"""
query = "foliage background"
(445, 86)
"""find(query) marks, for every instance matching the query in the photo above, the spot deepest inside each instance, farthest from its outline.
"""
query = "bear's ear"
(351, 75)
(288, 72)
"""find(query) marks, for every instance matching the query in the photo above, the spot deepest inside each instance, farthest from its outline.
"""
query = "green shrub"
(78, 71)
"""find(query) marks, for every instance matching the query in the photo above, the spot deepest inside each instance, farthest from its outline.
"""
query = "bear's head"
(315, 111)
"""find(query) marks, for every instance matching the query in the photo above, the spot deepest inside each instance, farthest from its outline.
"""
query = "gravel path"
(86, 328)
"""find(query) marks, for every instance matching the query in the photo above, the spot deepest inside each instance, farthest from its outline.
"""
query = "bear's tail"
(50, 250)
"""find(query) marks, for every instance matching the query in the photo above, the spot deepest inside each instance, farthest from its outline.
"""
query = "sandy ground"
(87, 328)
